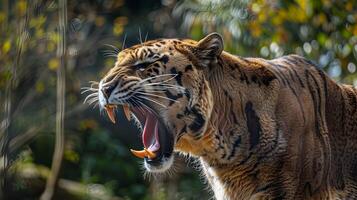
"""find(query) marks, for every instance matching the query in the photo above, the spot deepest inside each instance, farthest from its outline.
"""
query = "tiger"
(259, 129)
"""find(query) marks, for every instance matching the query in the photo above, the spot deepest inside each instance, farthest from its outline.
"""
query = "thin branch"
(61, 84)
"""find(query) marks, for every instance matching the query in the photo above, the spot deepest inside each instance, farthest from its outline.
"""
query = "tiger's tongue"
(150, 136)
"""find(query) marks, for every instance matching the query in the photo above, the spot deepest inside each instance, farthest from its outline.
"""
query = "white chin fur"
(163, 167)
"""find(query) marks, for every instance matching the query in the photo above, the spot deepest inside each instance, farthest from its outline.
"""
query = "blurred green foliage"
(322, 30)
(97, 152)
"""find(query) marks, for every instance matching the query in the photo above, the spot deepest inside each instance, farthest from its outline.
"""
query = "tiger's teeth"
(150, 154)
(139, 154)
(143, 153)
(110, 112)
(127, 111)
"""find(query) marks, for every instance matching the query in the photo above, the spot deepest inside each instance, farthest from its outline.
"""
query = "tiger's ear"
(209, 48)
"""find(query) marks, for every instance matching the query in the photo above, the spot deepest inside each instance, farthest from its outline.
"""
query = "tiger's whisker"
(89, 96)
(149, 99)
(146, 36)
(94, 82)
(109, 55)
(89, 90)
(143, 104)
(92, 101)
(138, 105)
(92, 98)
(95, 105)
(165, 85)
(164, 88)
(123, 43)
(141, 40)
(116, 49)
(164, 81)
(157, 76)
(109, 51)
(156, 91)
(158, 96)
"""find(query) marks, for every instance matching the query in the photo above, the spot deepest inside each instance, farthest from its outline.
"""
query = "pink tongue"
(151, 133)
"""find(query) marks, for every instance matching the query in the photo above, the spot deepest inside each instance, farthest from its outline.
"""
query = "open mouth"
(156, 138)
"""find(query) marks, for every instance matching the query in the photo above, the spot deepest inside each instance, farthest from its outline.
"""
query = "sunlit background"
(48, 44)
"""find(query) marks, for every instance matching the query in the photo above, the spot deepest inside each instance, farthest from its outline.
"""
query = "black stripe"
(172, 97)
(312, 93)
(295, 93)
(164, 59)
(318, 117)
(318, 95)
(299, 102)
(243, 76)
(235, 120)
(231, 67)
(323, 77)
(241, 105)
(277, 73)
(188, 68)
(198, 122)
(178, 77)
(145, 52)
(253, 124)
(282, 74)
(275, 146)
(298, 77)
(308, 189)
(295, 60)
(130, 92)
(267, 76)
(220, 146)
(151, 53)
(245, 159)
(235, 144)
(287, 68)
(181, 133)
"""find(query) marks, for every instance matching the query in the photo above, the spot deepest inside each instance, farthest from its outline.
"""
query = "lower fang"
(139, 154)
(143, 153)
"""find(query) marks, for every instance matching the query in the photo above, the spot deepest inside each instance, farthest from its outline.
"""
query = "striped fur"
(262, 129)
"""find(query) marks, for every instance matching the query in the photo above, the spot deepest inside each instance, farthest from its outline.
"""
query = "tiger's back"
(318, 118)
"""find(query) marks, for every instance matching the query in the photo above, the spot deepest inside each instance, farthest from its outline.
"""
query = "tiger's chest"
(223, 190)
(216, 184)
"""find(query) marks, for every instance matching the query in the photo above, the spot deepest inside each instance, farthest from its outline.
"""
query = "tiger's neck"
(228, 109)
(228, 130)
(235, 126)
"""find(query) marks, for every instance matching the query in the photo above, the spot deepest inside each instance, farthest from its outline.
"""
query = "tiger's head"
(162, 84)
